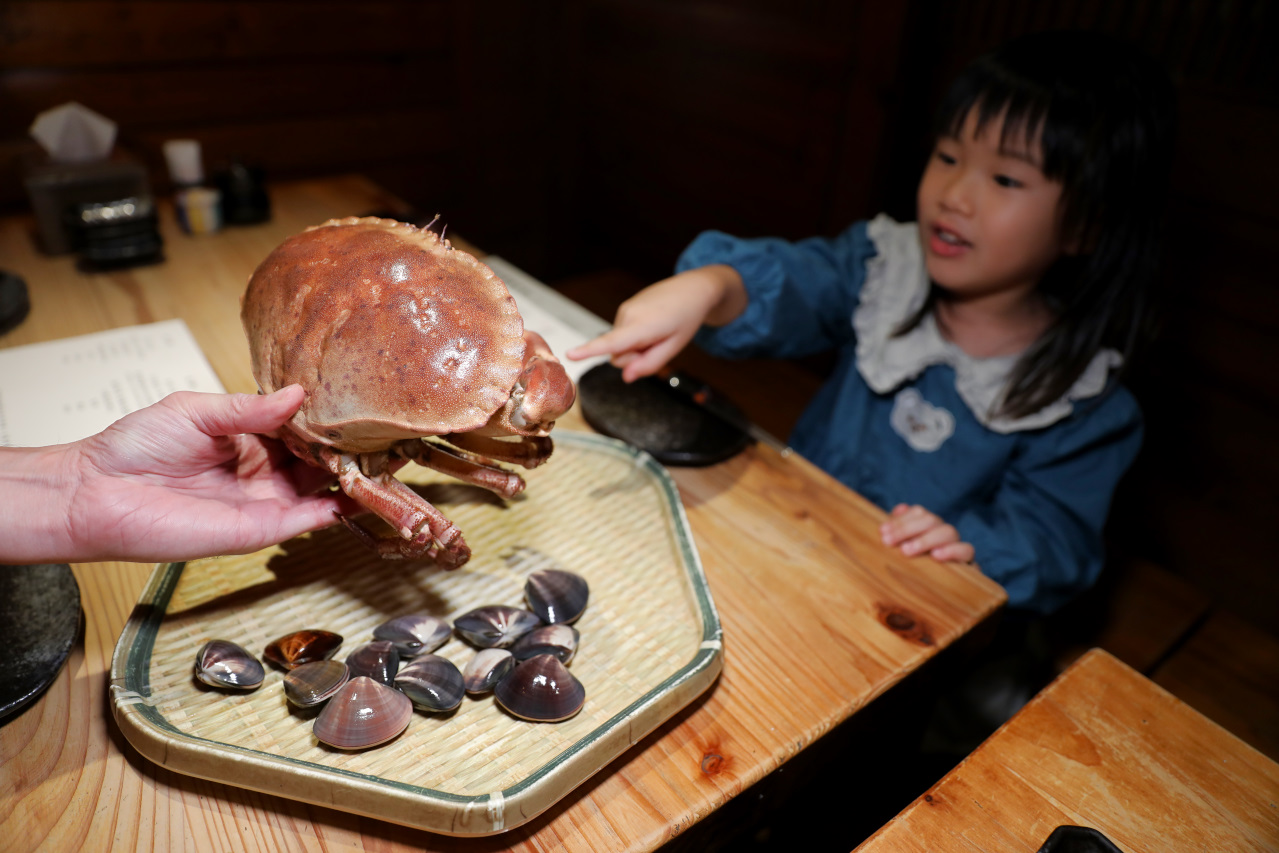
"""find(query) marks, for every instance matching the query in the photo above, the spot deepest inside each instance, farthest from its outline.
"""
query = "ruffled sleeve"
(801, 295)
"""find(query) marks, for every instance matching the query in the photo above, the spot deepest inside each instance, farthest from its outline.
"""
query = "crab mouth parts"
(518, 418)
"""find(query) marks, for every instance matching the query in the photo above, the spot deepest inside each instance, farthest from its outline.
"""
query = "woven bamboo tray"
(650, 644)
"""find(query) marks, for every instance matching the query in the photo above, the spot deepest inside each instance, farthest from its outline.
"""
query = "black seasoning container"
(244, 197)
(114, 234)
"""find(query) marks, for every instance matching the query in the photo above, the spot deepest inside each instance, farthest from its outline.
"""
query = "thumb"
(232, 414)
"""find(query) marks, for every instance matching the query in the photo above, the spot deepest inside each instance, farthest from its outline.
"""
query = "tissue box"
(56, 188)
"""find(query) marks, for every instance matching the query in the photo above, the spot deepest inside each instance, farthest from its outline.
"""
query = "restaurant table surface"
(793, 561)
(1106, 748)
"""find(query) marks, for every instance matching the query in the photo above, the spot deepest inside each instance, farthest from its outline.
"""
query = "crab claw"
(548, 392)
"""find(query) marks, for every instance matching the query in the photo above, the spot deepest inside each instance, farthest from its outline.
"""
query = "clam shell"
(311, 683)
(362, 714)
(302, 647)
(487, 668)
(495, 626)
(542, 690)
(432, 683)
(556, 595)
(558, 640)
(222, 663)
(414, 634)
(378, 660)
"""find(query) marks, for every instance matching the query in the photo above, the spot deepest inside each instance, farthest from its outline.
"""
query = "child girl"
(973, 395)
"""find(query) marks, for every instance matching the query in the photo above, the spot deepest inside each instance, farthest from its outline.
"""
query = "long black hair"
(1105, 117)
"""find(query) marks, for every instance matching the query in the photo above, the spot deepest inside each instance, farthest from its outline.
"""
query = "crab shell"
(393, 333)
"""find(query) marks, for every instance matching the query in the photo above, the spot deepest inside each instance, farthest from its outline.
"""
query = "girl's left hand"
(917, 531)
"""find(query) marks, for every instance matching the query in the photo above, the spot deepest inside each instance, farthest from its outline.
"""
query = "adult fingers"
(233, 414)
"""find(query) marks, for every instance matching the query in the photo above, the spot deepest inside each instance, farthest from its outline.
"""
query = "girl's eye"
(1005, 181)
(945, 158)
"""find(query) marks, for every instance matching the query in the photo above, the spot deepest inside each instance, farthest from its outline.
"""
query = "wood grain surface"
(1100, 747)
(792, 558)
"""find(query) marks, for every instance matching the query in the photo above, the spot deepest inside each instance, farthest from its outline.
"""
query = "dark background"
(590, 140)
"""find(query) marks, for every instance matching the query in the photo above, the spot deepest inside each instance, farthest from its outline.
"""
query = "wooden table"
(1100, 747)
(793, 560)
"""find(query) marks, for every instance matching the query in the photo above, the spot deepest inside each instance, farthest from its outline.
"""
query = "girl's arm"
(757, 297)
(655, 324)
(187, 477)
(1041, 536)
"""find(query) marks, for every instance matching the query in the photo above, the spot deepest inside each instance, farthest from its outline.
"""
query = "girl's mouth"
(946, 243)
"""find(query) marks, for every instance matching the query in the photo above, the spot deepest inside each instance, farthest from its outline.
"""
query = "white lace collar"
(896, 286)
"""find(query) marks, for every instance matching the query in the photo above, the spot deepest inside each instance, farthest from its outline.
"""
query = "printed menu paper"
(65, 390)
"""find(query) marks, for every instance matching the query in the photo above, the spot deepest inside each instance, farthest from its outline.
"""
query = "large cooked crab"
(396, 337)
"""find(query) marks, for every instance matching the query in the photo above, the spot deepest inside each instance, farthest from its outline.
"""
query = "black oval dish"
(1078, 839)
(650, 416)
(39, 624)
(15, 301)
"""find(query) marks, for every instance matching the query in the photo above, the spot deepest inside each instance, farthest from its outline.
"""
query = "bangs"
(1031, 121)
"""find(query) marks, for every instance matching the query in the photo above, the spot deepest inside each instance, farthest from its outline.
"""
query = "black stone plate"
(649, 415)
(1078, 839)
(39, 623)
(15, 301)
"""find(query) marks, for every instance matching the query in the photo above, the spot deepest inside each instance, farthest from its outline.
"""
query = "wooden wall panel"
(736, 116)
(106, 33)
(297, 88)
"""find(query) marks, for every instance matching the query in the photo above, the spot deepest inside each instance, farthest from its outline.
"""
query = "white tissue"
(186, 167)
(73, 133)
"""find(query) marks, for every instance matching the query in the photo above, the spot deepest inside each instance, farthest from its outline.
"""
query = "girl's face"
(989, 221)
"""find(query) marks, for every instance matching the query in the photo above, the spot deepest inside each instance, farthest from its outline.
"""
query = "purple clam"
(487, 668)
(556, 595)
(378, 660)
(363, 714)
(558, 640)
(414, 634)
(432, 683)
(540, 689)
(224, 664)
(312, 683)
(495, 626)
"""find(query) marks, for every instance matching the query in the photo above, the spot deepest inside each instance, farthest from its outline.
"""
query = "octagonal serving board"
(650, 644)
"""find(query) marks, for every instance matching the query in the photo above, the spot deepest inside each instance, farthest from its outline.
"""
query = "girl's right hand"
(655, 324)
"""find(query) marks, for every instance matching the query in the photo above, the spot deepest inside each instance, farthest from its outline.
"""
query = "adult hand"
(655, 324)
(190, 476)
(917, 531)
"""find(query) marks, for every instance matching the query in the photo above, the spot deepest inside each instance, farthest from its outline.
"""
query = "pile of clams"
(522, 658)
(408, 349)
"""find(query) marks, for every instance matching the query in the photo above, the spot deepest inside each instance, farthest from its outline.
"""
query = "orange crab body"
(398, 337)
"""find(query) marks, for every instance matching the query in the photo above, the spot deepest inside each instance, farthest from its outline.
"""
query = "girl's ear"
(1080, 240)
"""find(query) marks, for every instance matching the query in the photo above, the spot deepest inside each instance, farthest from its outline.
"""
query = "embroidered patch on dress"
(924, 426)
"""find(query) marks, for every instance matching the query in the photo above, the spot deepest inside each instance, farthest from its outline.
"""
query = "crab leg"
(529, 452)
(392, 549)
(421, 526)
(459, 465)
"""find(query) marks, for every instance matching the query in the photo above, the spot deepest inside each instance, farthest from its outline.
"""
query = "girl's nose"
(957, 193)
